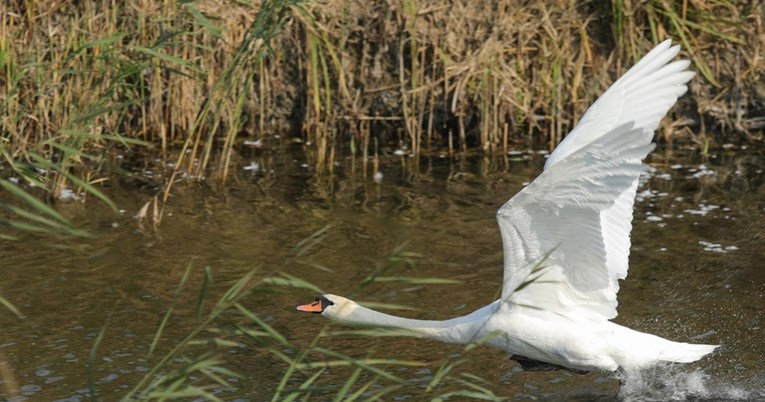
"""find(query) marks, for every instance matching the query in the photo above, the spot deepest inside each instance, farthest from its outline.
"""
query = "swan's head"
(332, 306)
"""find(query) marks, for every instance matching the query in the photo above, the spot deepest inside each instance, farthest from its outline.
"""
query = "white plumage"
(566, 241)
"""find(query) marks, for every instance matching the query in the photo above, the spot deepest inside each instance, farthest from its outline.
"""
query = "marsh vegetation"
(94, 89)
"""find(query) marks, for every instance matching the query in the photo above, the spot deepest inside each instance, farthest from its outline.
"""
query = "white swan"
(566, 240)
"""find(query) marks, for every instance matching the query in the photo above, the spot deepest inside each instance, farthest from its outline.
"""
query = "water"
(696, 275)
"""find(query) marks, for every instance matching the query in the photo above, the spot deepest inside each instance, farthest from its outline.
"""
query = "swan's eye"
(317, 306)
(324, 302)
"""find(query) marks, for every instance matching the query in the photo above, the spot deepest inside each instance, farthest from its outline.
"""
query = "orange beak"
(314, 307)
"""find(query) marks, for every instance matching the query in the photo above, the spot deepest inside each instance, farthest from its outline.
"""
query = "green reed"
(81, 97)
(7, 304)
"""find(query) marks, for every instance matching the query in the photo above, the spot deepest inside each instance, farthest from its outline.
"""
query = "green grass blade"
(234, 292)
(342, 393)
(389, 306)
(189, 393)
(89, 188)
(165, 57)
(67, 150)
(203, 291)
(98, 110)
(462, 394)
(366, 366)
(292, 281)
(269, 329)
(446, 367)
(33, 202)
(359, 392)
(310, 242)
(54, 226)
(125, 140)
(379, 393)
(375, 332)
(363, 363)
(417, 281)
(288, 373)
(11, 307)
(102, 42)
(92, 362)
(26, 227)
(169, 313)
(305, 385)
(204, 21)
(217, 342)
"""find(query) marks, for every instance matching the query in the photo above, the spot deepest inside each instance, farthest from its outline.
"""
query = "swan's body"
(573, 341)
(566, 241)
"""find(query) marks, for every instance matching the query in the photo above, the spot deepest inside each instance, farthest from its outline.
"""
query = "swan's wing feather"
(643, 95)
(575, 218)
(555, 223)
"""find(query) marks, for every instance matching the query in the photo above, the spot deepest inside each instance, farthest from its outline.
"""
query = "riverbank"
(89, 90)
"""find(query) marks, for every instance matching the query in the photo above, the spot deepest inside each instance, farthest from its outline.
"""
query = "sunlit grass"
(85, 83)
(10, 306)
(131, 79)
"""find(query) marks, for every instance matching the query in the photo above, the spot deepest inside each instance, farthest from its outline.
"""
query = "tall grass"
(87, 83)
(84, 86)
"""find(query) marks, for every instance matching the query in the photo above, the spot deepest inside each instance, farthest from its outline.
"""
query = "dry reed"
(83, 83)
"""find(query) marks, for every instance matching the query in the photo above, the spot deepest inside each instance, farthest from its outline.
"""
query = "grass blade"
(292, 281)
(274, 334)
(169, 313)
(11, 307)
(203, 290)
(92, 362)
(417, 281)
(343, 391)
(305, 385)
(363, 364)
(310, 242)
(33, 202)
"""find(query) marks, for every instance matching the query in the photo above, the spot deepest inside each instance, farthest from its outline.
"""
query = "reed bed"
(85, 84)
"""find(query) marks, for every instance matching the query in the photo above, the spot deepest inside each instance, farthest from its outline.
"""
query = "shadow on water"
(696, 276)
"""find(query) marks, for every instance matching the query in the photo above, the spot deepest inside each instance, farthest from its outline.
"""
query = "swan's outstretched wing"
(566, 235)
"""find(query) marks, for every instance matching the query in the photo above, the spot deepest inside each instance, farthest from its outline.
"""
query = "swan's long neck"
(457, 330)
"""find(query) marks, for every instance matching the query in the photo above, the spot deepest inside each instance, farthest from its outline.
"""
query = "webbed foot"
(528, 364)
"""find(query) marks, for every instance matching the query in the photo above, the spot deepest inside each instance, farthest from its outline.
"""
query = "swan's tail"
(646, 350)
(680, 352)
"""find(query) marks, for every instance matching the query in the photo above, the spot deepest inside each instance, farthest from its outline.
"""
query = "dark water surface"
(697, 274)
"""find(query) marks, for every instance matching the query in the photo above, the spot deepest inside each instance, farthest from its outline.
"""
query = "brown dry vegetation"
(480, 73)
(81, 78)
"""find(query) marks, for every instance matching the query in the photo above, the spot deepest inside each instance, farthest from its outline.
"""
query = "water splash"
(673, 383)
(662, 383)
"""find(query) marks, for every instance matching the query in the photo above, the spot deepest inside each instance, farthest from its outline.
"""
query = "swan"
(566, 240)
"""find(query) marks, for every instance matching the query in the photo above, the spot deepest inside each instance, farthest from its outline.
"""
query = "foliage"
(87, 87)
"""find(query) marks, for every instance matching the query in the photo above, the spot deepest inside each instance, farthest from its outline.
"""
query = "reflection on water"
(696, 275)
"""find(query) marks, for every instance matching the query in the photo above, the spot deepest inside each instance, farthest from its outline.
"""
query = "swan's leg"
(528, 364)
